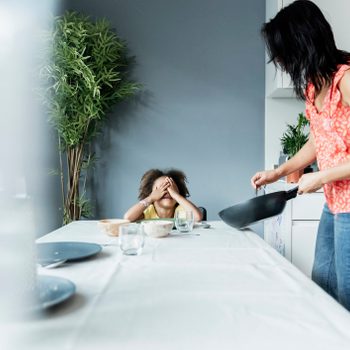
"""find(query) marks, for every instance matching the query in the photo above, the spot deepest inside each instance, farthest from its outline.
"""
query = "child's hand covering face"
(159, 191)
(172, 188)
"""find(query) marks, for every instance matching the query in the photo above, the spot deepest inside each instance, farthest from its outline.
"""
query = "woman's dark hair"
(300, 41)
(152, 175)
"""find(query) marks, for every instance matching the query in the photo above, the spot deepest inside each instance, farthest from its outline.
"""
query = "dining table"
(212, 288)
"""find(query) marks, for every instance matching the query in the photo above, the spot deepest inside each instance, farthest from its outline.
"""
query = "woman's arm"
(314, 181)
(305, 157)
(182, 201)
(136, 211)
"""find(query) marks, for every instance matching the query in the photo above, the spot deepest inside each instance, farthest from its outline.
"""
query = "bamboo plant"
(87, 75)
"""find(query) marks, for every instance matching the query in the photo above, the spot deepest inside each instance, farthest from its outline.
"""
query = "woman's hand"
(172, 189)
(159, 192)
(264, 177)
(310, 182)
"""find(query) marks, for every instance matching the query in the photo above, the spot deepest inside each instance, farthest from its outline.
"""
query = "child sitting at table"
(161, 194)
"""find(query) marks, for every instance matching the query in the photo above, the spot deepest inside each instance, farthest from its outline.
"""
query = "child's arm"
(183, 202)
(136, 211)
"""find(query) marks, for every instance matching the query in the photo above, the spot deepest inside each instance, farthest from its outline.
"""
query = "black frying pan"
(256, 209)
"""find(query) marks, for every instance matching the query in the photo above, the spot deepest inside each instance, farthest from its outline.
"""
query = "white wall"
(278, 112)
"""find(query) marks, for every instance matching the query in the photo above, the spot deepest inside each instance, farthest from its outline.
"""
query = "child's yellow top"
(150, 212)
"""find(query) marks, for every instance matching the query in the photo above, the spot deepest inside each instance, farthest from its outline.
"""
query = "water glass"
(184, 220)
(131, 239)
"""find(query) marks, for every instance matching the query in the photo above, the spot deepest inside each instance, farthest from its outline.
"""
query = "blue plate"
(53, 290)
(48, 253)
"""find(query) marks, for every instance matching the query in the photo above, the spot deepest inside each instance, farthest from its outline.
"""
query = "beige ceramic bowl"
(111, 226)
(157, 228)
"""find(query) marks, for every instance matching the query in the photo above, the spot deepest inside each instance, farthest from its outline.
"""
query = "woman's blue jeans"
(331, 269)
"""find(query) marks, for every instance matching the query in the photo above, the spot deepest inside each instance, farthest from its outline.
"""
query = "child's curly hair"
(152, 175)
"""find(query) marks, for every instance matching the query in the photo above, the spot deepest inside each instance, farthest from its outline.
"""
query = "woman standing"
(300, 41)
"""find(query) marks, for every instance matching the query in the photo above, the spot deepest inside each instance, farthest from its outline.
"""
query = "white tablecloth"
(222, 289)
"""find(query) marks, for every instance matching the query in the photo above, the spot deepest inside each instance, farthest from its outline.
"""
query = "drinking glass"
(131, 239)
(184, 220)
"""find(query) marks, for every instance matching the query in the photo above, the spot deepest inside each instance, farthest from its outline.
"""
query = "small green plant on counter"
(295, 137)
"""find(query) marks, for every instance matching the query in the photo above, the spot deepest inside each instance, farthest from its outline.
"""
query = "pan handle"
(292, 193)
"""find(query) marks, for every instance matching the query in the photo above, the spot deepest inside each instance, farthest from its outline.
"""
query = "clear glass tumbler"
(184, 220)
(131, 239)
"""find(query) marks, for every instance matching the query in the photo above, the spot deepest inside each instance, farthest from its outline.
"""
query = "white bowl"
(111, 226)
(157, 228)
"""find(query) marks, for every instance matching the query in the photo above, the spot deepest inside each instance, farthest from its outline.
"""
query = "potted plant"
(293, 140)
(87, 75)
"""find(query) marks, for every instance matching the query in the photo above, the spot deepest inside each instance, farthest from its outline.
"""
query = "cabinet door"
(303, 245)
(308, 206)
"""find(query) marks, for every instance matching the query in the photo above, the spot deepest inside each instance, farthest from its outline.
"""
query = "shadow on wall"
(122, 118)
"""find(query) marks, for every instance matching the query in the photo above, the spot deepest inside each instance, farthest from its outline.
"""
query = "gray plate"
(53, 290)
(48, 253)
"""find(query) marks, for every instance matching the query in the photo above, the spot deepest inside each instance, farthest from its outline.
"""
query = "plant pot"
(294, 177)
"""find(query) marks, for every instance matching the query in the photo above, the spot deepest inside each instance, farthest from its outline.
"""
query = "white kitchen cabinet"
(293, 233)
(303, 244)
(278, 84)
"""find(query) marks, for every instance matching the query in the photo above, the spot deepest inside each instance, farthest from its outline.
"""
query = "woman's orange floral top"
(330, 128)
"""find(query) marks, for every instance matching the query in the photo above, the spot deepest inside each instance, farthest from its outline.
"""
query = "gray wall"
(202, 109)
